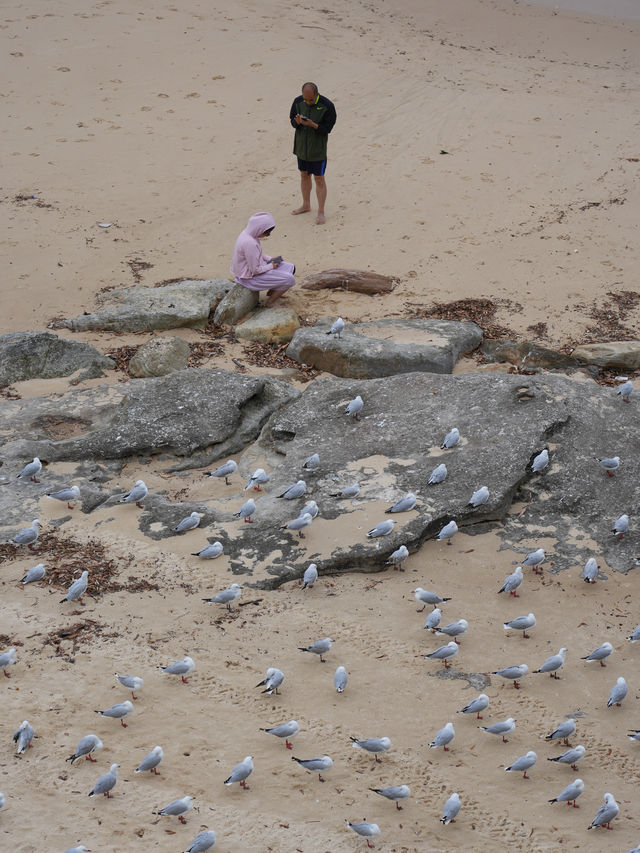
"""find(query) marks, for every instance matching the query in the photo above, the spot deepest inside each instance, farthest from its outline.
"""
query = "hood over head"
(259, 223)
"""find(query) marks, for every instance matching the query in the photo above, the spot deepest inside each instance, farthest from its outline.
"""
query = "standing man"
(313, 117)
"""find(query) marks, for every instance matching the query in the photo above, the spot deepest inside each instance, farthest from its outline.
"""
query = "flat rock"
(385, 347)
(623, 354)
(137, 309)
(43, 355)
(528, 354)
(237, 303)
(270, 325)
(160, 356)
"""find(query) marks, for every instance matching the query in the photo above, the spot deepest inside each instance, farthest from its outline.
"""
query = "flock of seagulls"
(274, 677)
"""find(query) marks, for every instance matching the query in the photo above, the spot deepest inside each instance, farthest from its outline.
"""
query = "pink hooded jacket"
(248, 258)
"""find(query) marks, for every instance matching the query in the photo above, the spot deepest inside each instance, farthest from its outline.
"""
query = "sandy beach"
(483, 149)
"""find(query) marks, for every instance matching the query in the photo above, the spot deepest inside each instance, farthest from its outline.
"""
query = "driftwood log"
(357, 281)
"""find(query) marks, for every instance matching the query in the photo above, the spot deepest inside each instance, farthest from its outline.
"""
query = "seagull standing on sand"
(230, 467)
(71, 493)
(448, 532)
(570, 756)
(23, 737)
(28, 535)
(444, 653)
(340, 679)
(319, 647)
(450, 810)
(365, 830)
(590, 571)
(480, 703)
(315, 765)
(202, 842)
(151, 761)
(443, 738)
(118, 712)
(86, 745)
(618, 693)
(600, 653)
(241, 773)
(563, 731)
(77, 588)
(570, 794)
(131, 682)
(298, 524)
(433, 619)
(607, 812)
(178, 808)
(522, 764)
(180, 667)
(502, 728)
(394, 793)
(137, 494)
(398, 557)
(553, 664)
(513, 673)
(310, 576)
(535, 559)
(284, 730)
(31, 470)
(424, 596)
(106, 782)
(454, 629)
(227, 596)
(272, 680)
(512, 582)
(374, 745)
(521, 623)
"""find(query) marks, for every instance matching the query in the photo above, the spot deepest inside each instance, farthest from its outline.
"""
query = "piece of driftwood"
(357, 281)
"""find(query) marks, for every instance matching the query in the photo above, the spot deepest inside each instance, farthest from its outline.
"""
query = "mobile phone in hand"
(277, 260)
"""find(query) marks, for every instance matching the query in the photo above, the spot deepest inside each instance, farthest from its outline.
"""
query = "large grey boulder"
(385, 347)
(160, 356)
(195, 415)
(622, 354)
(237, 303)
(43, 355)
(137, 309)
(269, 326)
(527, 355)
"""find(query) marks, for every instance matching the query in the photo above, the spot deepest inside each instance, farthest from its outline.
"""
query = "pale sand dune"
(178, 116)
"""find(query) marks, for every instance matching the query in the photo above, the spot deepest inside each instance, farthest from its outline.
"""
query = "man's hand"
(306, 122)
(298, 119)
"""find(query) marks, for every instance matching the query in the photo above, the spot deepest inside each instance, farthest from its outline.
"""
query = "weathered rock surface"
(196, 415)
(237, 303)
(271, 325)
(357, 281)
(623, 354)
(385, 347)
(136, 309)
(527, 355)
(43, 355)
(160, 356)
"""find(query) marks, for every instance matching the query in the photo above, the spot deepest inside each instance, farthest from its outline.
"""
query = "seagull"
(502, 728)
(600, 653)
(246, 511)
(202, 842)
(315, 765)
(257, 479)
(590, 571)
(451, 439)
(553, 663)
(311, 508)
(448, 532)
(383, 528)
(34, 574)
(634, 734)
(79, 849)
(563, 731)
(540, 461)
(398, 557)
(180, 667)
(625, 391)
(610, 464)
(77, 588)
(319, 647)
(272, 680)
(311, 463)
(310, 576)
(68, 494)
(454, 629)
(241, 773)
(394, 793)
(443, 737)
(177, 808)
(479, 497)
(31, 470)
(513, 673)
(210, 552)
(106, 782)
(620, 526)
(351, 491)
(336, 328)
(86, 745)
(512, 582)
(570, 756)
(298, 524)
(340, 679)
(131, 682)
(426, 597)
(433, 619)
(480, 703)
(570, 794)
(374, 745)
(406, 503)
(151, 761)
(444, 653)
(28, 535)
(354, 408)
(297, 490)
(451, 809)
(535, 559)
(438, 475)
(118, 712)
(522, 764)
(618, 692)
(23, 736)
(607, 812)
(227, 596)
(365, 830)
(521, 623)
(189, 523)
(137, 494)
(635, 635)
(230, 467)
(284, 730)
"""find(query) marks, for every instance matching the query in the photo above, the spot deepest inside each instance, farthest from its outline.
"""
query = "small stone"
(238, 302)
(269, 326)
(624, 354)
(160, 356)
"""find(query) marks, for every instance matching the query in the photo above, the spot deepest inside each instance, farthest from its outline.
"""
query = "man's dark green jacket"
(308, 143)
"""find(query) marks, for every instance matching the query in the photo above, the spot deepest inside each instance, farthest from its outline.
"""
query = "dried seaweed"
(9, 392)
(479, 311)
(122, 356)
(137, 265)
(273, 355)
(202, 350)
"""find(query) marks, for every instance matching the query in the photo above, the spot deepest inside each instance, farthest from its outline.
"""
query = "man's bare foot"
(302, 209)
(320, 220)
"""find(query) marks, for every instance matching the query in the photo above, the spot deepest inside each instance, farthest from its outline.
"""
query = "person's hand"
(275, 264)
(298, 119)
